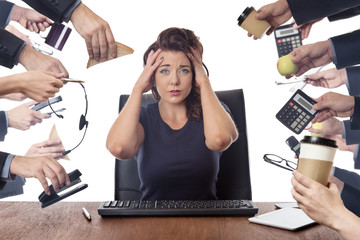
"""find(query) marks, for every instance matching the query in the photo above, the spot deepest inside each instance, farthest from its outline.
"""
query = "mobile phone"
(294, 145)
(43, 104)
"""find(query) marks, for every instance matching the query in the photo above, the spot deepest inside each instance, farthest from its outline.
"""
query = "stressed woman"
(177, 141)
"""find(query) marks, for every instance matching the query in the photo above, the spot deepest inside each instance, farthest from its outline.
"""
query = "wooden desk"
(65, 220)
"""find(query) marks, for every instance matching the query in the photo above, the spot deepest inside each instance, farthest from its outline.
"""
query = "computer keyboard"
(177, 208)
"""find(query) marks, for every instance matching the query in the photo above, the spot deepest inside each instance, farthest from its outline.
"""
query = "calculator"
(297, 113)
(287, 39)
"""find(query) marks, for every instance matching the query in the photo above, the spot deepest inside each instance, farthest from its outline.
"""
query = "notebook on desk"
(286, 218)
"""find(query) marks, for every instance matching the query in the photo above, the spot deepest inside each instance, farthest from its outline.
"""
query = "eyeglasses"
(276, 160)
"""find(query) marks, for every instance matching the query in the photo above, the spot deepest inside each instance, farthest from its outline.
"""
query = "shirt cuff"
(5, 171)
(67, 14)
(334, 53)
(9, 17)
(344, 130)
(6, 119)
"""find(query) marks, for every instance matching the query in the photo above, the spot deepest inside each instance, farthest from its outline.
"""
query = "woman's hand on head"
(144, 82)
(196, 58)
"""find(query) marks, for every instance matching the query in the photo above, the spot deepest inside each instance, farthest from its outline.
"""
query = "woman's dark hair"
(183, 40)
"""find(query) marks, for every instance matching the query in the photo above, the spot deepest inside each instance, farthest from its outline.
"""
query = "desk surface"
(65, 220)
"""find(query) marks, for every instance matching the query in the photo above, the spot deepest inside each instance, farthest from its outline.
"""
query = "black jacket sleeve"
(53, 9)
(5, 10)
(355, 119)
(345, 14)
(347, 49)
(10, 48)
(305, 11)
(3, 157)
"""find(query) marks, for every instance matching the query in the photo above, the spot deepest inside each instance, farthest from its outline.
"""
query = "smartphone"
(294, 145)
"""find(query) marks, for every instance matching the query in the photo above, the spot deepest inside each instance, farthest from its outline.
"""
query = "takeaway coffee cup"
(316, 158)
(254, 26)
(57, 36)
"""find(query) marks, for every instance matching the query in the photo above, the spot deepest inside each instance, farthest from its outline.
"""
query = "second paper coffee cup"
(316, 158)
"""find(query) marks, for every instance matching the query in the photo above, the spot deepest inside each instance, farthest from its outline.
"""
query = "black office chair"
(234, 175)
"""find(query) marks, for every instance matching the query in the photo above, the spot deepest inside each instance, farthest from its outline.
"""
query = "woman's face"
(173, 78)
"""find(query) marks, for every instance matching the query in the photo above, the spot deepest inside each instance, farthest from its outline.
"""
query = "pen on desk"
(87, 214)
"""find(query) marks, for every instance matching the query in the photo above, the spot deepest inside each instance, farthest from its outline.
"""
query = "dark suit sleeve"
(352, 12)
(353, 80)
(305, 11)
(54, 9)
(351, 191)
(3, 126)
(347, 49)
(5, 10)
(3, 157)
(355, 119)
(10, 48)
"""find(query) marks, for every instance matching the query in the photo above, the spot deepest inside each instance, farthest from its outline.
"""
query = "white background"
(233, 59)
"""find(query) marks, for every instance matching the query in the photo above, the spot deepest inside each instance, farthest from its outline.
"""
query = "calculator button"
(279, 41)
(304, 114)
(301, 117)
(298, 120)
(297, 129)
(291, 104)
(295, 107)
(299, 110)
(293, 125)
(307, 117)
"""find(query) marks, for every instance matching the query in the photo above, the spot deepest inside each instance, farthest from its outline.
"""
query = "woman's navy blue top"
(175, 164)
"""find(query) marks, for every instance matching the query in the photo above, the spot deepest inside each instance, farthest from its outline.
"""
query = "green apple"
(286, 67)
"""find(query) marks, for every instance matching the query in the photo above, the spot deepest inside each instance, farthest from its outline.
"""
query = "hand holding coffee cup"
(316, 158)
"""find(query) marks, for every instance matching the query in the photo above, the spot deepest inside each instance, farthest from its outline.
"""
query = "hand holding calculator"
(297, 113)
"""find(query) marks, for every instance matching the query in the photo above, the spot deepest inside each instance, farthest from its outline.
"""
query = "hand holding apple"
(286, 67)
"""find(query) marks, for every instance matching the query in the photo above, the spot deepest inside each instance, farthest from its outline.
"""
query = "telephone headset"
(83, 122)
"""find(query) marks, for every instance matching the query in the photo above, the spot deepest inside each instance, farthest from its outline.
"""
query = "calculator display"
(286, 32)
(304, 103)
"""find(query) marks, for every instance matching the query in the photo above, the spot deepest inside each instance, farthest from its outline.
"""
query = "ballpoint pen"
(86, 214)
(283, 83)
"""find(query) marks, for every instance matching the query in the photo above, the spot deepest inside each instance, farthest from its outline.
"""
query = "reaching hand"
(41, 168)
(19, 34)
(275, 14)
(330, 127)
(30, 19)
(144, 83)
(14, 96)
(34, 60)
(333, 105)
(320, 203)
(305, 28)
(312, 55)
(51, 147)
(331, 78)
(98, 36)
(22, 117)
(39, 85)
